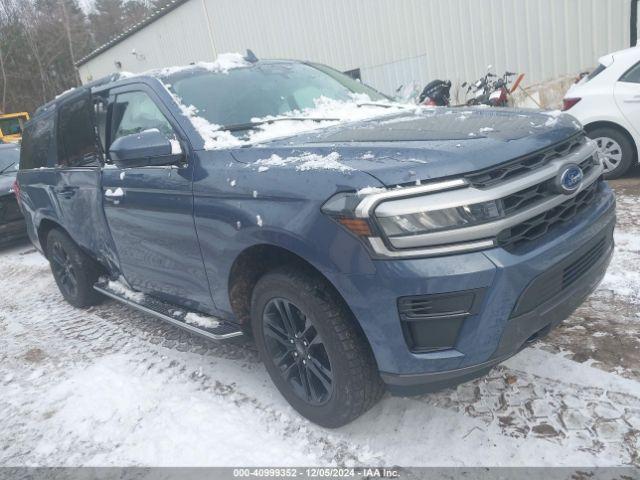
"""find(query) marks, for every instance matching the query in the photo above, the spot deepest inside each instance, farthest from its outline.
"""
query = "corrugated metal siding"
(392, 41)
(177, 38)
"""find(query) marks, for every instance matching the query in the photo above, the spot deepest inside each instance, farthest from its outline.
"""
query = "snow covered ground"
(110, 386)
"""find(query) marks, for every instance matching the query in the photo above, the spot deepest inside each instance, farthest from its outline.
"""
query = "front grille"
(522, 166)
(578, 268)
(557, 279)
(536, 227)
(532, 195)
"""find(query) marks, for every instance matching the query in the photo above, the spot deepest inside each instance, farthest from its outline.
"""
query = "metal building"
(388, 42)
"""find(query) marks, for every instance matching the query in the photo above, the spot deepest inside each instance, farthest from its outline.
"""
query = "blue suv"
(363, 245)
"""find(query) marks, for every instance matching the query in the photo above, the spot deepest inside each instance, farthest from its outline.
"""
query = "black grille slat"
(522, 166)
(574, 271)
(536, 227)
(562, 276)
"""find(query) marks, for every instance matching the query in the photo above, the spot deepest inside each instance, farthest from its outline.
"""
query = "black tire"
(74, 271)
(622, 148)
(337, 344)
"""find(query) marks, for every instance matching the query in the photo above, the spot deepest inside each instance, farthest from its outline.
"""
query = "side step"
(207, 326)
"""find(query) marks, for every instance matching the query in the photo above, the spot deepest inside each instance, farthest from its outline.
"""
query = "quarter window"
(632, 75)
(37, 143)
(134, 112)
(76, 133)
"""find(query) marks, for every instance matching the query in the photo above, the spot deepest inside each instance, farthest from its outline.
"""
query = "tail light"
(16, 190)
(568, 103)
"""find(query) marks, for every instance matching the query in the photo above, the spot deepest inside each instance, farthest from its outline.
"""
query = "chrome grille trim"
(471, 195)
(491, 229)
(456, 193)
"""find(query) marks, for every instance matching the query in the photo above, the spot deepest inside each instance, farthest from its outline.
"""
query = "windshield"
(9, 159)
(10, 126)
(269, 89)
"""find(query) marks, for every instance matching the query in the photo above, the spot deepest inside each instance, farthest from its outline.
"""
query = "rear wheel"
(315, 355)
(617, 151)
(74, 271)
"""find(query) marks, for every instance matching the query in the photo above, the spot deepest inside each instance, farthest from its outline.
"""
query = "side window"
(37, 142)
(133, 112)
(76, 133)
(632, 75)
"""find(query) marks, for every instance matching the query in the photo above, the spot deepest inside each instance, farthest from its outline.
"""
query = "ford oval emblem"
(569, 179)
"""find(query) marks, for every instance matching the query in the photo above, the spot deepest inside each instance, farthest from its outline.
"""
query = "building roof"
(160, 12)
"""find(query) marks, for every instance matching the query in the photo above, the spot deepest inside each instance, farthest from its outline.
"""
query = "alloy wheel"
(63, 269)
(297, 350)
(611, 152)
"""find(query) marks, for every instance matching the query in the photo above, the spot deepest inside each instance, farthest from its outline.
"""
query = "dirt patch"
(34, 355)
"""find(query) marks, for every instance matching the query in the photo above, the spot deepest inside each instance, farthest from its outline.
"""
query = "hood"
(424, 144)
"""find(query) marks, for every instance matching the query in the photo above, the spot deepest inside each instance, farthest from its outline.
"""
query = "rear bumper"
(520, 331)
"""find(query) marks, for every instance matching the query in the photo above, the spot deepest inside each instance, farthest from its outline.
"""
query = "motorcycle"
(436, 94)
(495, 93)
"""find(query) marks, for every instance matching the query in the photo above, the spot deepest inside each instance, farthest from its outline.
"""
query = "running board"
(190, 320)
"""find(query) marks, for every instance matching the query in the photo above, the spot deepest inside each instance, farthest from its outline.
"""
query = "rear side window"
(596, 71)
(37, 143)
(632, 75)
(77, 142)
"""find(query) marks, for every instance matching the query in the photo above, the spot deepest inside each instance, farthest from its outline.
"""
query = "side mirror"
(146, 148)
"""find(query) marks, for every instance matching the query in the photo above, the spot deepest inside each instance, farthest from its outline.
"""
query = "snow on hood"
(304, 162)
(411, 147)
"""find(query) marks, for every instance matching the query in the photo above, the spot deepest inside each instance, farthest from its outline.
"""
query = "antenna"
(250, 56)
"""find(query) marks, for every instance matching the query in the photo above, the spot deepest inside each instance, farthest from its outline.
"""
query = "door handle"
(65, 192)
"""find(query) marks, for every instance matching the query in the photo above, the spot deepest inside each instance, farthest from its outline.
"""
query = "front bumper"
(520, 331)
(494, 333)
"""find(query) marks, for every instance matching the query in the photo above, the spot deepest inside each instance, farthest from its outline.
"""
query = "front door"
(76, 192)
(150, 209)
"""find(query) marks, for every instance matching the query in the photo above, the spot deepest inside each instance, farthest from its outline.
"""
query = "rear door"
(150, 209)
(76, 191)
(627, 95)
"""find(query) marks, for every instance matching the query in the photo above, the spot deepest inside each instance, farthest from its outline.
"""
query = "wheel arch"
(44, 227)
(257, 260)
(589, 127)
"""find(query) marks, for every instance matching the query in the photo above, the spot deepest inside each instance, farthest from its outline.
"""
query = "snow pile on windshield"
(214, 137)
(306, 161)
(326, 112)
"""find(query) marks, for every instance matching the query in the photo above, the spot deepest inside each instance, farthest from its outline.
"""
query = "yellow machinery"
(11, 125)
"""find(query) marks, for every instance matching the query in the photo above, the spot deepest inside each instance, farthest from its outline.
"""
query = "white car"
(607, 103)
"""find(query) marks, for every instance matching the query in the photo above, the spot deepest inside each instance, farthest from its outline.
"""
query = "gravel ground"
(111, 386)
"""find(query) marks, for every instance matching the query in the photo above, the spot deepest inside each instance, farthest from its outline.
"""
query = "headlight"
(436, 220)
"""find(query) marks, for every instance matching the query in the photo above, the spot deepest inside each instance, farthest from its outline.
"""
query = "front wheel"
(315, 355)
(617, 151)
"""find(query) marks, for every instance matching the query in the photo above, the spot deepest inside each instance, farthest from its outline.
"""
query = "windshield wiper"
(7, 168)
(383, 105)
(246, 126)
